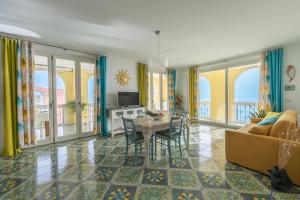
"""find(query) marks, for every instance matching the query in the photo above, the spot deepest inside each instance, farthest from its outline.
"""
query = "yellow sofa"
(260, 152)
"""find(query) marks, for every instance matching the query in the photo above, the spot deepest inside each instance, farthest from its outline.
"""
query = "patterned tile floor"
(93, 168)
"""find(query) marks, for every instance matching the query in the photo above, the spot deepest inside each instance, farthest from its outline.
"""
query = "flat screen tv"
(128, 99)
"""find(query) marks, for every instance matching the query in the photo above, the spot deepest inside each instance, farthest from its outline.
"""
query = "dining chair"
(132, 136)
(173, 133)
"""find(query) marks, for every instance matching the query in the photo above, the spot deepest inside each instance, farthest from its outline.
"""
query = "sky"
(245, 89)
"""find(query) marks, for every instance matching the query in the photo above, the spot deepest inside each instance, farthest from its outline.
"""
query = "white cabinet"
(115, 117)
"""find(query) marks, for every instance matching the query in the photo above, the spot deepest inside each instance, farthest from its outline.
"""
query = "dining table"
(148, 126)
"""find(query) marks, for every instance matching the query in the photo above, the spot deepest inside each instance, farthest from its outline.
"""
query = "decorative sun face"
(122, 78)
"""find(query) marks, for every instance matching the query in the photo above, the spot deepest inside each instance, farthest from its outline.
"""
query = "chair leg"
(126, 153)
(180, 145)
(135, 153)
(183, 132)
(151, 141)
(169, 149)
(155, 142)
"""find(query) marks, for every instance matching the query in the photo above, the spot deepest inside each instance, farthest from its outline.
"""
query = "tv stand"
(115, 117)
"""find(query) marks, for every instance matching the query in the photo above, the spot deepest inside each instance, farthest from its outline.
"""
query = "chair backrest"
(129, 127)
(175, 126)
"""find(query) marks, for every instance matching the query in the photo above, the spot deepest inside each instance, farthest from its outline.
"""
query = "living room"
(107, 100)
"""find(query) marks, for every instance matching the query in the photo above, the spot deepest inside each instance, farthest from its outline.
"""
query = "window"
(158, 91)
(228, 95)
(243, 92)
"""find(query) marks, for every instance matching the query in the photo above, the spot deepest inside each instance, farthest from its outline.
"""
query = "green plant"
(257, 112)
(72, 105)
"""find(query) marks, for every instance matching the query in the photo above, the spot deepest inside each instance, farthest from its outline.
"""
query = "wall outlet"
(290, 88)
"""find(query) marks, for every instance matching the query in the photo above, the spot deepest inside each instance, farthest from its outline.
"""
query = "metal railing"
(204, 110)
(62, 112)
(243, 109)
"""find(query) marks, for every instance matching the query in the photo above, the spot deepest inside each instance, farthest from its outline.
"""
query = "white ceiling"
(193, 31)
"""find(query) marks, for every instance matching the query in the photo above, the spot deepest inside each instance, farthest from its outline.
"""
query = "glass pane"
(243, 90)
(87, 96)
(156, 91)
(41, 97)
(212, 96)
(65, 97)
(165, 93)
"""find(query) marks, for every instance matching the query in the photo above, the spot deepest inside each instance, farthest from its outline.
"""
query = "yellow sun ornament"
(122, 78)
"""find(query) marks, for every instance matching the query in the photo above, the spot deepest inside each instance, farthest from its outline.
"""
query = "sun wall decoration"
(122, 78)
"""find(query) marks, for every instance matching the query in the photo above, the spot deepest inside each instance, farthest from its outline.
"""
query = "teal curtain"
(275, 69)
(102, 66)
(172, 90)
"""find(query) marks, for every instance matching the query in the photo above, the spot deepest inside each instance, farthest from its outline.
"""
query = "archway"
(204, 97)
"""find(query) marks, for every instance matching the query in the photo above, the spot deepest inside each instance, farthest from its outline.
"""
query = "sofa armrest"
(256, 120)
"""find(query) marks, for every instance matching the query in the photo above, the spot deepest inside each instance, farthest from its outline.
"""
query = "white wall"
(114, 64)
(182, 79)
(292, 57)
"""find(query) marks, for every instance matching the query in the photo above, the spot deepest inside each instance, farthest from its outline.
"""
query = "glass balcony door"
(228, 95)
(158, 91)
(65, 98)
(87, 97)
(43, 99)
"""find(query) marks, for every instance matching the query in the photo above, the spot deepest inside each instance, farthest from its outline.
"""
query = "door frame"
(55, 127)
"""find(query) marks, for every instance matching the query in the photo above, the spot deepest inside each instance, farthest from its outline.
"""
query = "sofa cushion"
(268, 120)
(261, 130)
(247, 127)
(287, 120)
(272, 114)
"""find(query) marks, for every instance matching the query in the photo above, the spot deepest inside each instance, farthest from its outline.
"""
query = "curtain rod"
(45, 44)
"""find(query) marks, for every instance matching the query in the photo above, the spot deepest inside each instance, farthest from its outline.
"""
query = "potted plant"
(72, 105)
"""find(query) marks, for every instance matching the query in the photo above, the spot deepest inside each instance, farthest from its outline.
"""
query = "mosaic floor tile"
(183, 179)
(94, 168)
(13, 168)
(119, 150)
(89, 190)
(110, 143)
(182, 163)
(286, 196)
(257, 197)
(212, 180)
(113, 160)
(161, 163)
(204, 165)
(77, 173)
(186, 194)
(9, 184)
(232, 167)
(245, 183)
(155, 177)
(26, 190)
(58, 190)
(132, 161)
(116, 192)
(220, 194)
(103, 174)
(146, 192)
(128, 176)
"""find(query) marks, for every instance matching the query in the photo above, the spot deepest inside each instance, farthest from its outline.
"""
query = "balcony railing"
(243, 109)
(204, 109)
(42, 112)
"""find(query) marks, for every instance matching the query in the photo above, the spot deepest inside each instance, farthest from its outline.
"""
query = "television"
(128, 99)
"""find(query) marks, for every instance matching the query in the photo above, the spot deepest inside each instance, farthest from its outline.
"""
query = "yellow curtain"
(143, 83)
(193, 91)
(9, 65)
